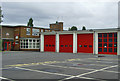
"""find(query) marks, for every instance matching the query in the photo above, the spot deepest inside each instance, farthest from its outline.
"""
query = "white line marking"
(6, 78)
(89, 72)
(43, 71)
(80, 68)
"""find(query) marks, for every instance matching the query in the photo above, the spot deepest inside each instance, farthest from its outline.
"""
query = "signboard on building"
(35, 32)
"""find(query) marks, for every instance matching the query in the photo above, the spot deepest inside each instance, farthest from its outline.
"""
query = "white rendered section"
(95, 44)
(57, 43)
(42, 43)
(74, 42)
(118, 43)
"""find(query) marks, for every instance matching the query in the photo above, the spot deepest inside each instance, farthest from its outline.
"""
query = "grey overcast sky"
(89, 14)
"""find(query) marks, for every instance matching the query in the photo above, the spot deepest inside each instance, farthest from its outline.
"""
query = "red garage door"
(49, 43)
(66, 43)
(85, 43)
(107, 43)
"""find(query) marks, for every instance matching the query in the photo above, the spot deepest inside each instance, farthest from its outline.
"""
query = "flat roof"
(22, 26)
(84, 31)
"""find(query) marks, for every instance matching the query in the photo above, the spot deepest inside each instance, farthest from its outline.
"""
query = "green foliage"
(83, 28)
(73, 28)
(30, 23)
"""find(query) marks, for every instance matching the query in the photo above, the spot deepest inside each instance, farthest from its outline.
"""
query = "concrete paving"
(36, 66)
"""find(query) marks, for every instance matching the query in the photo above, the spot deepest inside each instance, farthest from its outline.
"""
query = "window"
(80, 45)
(99, 40)
(110, 40)
(62, 45)
(66, 46)
(27, 31)
(90, 45)
(105, 45)
(85, 45)
(104, 35)
(110, 45)
(35, 32)
(99, 35)
(115, 34)
(41, 30)
(99, 49)
(53, 45)
(46, 45)
(110, 49)
(115, 49)
(115, 45)
(115, 40)
(29, 44)
(99, 45)
(70, 45)
(105, 49)
(49, 45)
(105, 40)
(111, 35)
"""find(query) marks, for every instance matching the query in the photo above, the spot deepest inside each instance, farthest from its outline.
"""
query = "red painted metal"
(113, 43)
(66, 43)
(49, 43)
(85, 43)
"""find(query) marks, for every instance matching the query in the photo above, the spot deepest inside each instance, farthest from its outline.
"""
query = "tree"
(83, 28)
(30, 23)
(73, 28)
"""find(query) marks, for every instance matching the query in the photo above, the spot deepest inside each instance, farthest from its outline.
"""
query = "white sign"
(35, 32)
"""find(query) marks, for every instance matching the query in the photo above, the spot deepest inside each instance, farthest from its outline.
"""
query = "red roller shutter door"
(107, 43)
(49, 43)
(66, 43)
(85, 43)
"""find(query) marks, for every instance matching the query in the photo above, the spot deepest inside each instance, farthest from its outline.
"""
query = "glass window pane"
(30, 40)
(105, 45)
(99, 35)
(105, 35)
(90, 45)
(115, 34)
(105, 49)
(37, 46)
(85, 45)
(49, 45)
(62, 45)
(80, 45)
(99, 49)
(33, 40)
(70, 45)
(99, 40)
(110, 40)
(115, 45)
(99, 45)
(115, 40)
(53, 45)
(33, 46)
(115, 49)
(105, 40)
(110, 45)
(111, 35)
(110, 49)
(46, 45)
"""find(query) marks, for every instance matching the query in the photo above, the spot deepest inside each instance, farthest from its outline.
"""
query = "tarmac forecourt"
(89, 68)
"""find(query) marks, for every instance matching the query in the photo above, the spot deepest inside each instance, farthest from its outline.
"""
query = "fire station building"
(24, 38)
(96, 41)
